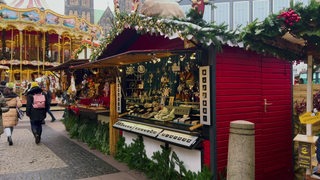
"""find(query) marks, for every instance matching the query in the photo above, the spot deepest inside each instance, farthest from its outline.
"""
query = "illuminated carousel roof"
(46, 21)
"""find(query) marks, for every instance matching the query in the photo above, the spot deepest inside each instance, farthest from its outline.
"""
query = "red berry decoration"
(290, 17)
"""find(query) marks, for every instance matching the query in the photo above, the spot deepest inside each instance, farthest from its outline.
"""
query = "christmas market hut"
(293, 35)
(180, 82)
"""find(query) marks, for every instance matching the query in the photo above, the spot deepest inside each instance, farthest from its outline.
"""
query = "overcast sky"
(58, 5)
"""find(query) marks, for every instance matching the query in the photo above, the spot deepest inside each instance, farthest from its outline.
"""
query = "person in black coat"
(36, 115)
(3, 85)
(49, 95)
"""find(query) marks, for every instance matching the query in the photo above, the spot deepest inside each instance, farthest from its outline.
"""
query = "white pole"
(309, 99)
(309, 93)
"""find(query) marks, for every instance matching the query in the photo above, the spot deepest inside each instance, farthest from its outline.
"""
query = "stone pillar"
(241, 151)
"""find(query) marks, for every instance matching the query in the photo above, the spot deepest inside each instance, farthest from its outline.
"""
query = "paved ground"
(56, 157)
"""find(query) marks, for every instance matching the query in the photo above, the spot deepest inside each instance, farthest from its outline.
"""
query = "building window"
(260, 9)
(240, 14)
(304, 2)
(221, 14)
(280, 5)
(207, 13)
(74, 2)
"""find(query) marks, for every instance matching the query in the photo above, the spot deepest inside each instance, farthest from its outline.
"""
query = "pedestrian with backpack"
(36, 109)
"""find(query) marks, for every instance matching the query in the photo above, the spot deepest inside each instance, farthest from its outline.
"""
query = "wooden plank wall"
(300, 91)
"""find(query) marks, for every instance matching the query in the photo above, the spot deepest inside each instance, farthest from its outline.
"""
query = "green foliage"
(162, 165)
(96, 135)
(121, 149)
(136, 156)
(264, 37)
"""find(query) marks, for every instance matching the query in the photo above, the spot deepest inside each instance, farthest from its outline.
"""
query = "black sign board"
(305, 155)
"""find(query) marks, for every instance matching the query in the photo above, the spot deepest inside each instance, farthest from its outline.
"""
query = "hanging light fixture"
(193, 56)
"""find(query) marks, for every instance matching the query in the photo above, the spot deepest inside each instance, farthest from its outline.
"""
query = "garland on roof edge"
(201, 32)
(299, 20)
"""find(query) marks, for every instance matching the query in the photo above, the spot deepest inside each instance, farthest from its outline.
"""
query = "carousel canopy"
(48, 21)
(29, 4)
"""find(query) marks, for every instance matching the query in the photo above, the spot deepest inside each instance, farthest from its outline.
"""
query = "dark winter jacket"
(2, 87)
(32, 113)
(3, 108)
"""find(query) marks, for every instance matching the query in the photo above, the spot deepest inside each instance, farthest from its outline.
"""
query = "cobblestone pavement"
(57, 157)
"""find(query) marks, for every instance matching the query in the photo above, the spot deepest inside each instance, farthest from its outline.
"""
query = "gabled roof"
(131, 31)
(137, 38)
(130, 40)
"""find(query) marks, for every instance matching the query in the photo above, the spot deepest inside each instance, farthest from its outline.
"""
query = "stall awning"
(126, 58)
(68, 64)
(4, 67)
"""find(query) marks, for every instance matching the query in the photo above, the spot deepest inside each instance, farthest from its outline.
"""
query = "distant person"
(4, 108)
(301, 81)
(3, 84)
(49, 96)
(316, 170)
(10, 118)
(36, 109)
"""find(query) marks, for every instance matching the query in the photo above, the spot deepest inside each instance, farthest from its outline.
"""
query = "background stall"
(34, 39)
(238, 85)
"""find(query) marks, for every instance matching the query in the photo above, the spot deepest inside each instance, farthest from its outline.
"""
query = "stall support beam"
(114, 133)
(211, 62)
(309, 98)
(309, 92)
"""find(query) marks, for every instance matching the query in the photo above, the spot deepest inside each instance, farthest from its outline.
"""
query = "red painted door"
(274, 135)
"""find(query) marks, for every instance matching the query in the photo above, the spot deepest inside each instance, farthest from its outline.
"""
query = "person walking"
(10, 118)
(36, 109)
(3, 85)
(49, 96)
(4, 108)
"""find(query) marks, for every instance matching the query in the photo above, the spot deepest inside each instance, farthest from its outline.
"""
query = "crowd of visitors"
(37, 106)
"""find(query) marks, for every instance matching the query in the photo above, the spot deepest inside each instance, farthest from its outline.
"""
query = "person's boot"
(37, 138)
(10, 141)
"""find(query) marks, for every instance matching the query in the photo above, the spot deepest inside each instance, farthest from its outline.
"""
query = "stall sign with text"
(305, 154)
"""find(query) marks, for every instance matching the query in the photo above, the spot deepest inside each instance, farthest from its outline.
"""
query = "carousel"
(34, 38)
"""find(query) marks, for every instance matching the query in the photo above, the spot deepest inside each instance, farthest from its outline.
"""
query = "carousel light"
(169, 60)
(193, 56)
(95, 71)
(181, 57)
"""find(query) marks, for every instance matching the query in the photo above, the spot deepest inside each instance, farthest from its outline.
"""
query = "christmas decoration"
(199, 32)
(299, 21)
(290, 17)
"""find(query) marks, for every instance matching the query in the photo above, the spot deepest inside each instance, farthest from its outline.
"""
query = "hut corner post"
(210, 60)
(113, 133)
(309, 98)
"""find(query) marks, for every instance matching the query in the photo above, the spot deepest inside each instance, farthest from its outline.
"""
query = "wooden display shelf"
(92, 109)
